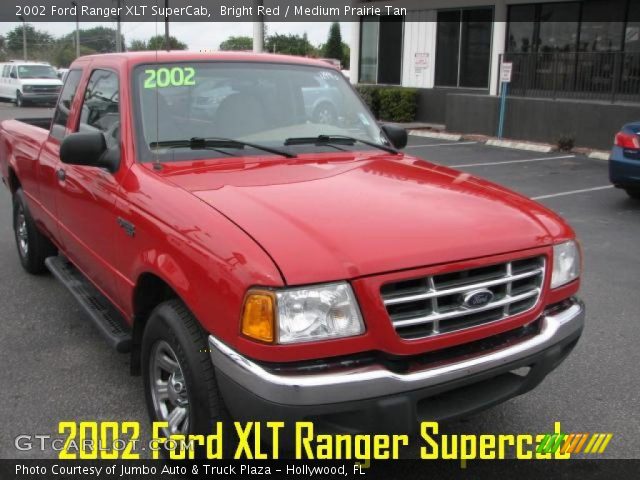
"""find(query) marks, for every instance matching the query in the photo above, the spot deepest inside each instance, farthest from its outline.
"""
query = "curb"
(599, 155)
(532, 147)
(441, 136)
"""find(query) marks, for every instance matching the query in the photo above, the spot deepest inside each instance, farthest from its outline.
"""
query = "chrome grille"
(435, 305)
(45, 89)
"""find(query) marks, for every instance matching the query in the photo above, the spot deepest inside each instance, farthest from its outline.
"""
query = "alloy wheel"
(169, 389)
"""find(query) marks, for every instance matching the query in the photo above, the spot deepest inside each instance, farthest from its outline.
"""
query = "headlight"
(303, 314)
(27, 88)
(566, 263)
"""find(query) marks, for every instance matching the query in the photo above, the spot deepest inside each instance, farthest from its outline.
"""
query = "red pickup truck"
(261, 260)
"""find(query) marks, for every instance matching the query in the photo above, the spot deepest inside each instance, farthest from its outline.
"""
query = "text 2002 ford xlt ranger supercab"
(259, 260)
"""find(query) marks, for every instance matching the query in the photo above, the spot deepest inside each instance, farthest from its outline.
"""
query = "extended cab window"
(101, 109)
(61, 116)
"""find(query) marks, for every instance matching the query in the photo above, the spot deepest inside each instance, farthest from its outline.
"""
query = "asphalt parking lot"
(57, 367)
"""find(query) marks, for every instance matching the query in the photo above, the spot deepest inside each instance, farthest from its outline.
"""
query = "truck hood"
(354, 215)
(41, 81)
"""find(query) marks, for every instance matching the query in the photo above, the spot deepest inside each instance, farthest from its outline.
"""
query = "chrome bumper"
(375, 380)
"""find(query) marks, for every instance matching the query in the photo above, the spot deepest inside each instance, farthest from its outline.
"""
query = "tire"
(33, 246)
(19, 99)
(172, 331)
(325, 114)
(635, 194)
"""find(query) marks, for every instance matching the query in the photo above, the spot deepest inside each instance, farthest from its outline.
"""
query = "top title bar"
(196, 10)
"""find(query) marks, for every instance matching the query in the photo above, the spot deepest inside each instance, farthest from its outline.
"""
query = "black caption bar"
(281, 469)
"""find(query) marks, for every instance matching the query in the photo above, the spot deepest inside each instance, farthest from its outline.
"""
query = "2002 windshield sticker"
(169, 77)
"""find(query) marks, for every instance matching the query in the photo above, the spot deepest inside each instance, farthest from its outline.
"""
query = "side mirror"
(396, 135)
(13, 75)
(90, 149)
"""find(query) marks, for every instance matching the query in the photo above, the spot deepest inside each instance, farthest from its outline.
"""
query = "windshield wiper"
(199, 143)
(337, 140)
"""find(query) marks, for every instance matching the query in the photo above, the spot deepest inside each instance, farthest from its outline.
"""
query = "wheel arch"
(13, 180)
(150, 291)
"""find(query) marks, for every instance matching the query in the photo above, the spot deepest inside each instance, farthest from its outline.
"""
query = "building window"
(463, 48)
(602, 25)
(369, 33)
(575, 49)
(589, 26)
(381, 50)
(632, 32)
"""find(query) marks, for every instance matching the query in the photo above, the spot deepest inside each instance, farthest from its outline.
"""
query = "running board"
(106, 317)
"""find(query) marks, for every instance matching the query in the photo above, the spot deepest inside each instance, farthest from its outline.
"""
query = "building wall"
(419, 49)
(432, 103)
(592, 124)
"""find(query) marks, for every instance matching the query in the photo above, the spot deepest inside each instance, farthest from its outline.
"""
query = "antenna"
(156, 164)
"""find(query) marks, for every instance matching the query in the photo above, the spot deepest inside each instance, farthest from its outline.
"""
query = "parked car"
(259, 265)
(62, 73)
(322, 101)
(624, 164)
(29, 82)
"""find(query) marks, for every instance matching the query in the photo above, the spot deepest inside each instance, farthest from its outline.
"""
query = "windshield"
(36, 71)
(258, 103)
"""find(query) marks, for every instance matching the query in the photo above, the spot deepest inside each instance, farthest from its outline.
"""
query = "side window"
(64, 104)
(5, 71)
(100, 110)
(12, 70)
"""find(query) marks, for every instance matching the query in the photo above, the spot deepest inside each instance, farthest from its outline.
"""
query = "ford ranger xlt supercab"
(265, 262)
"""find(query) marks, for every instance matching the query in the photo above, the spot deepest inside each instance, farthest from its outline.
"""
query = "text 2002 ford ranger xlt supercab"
(262, 260)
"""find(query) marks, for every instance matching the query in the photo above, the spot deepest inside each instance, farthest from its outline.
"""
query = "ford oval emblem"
(477, 298)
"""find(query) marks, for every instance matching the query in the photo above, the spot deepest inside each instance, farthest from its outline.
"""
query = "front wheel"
(33, 246)
(179, 379)
(19, 99)
(633, 193)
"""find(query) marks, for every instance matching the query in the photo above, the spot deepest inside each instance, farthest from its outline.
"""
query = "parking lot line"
(540, 159)
(572, 192)
(441, 144)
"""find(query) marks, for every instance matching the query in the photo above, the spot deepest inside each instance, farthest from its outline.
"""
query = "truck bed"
(40, 122)
(21, 138)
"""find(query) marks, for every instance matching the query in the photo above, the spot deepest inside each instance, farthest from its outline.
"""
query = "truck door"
(86, 195)
(49, 160)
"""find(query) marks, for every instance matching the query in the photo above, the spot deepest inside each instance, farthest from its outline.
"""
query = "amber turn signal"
(258, 316)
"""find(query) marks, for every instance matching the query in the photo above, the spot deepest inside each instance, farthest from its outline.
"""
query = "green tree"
(346, 56)
(290, 45)
(98, 39)
(137, 45)
(64, 53)
(158, 43)
(36, 39)
(333, 47)
(237, 43)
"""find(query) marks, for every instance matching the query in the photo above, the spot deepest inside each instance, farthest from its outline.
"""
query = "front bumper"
(40, 97)
(367, 394)
(624, 170)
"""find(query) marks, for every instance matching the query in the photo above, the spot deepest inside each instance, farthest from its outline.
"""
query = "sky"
(197, 35)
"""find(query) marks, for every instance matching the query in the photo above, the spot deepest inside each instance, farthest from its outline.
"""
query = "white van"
(29, 82)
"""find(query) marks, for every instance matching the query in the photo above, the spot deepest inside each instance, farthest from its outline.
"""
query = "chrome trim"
(436, 317)
(432, 293)
(441, 293)
(374, 381)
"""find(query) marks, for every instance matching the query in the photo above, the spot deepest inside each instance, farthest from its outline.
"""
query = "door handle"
(61, 174)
